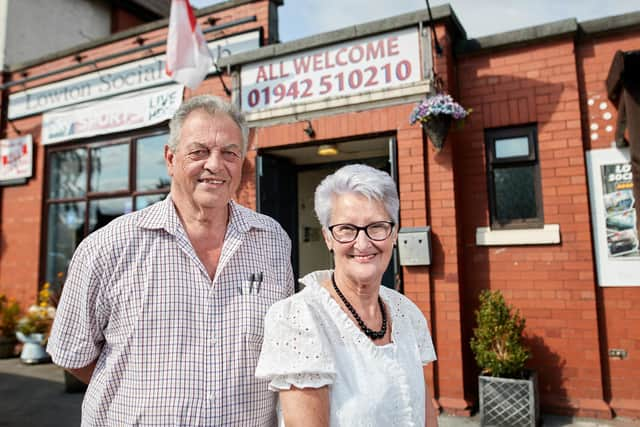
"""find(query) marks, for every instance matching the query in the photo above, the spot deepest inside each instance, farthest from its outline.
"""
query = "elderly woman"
(346, 351)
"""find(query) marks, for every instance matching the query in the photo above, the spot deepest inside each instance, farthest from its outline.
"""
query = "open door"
(276, 192)
(286, 181)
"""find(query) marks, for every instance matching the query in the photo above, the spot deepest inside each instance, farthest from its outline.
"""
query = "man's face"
(207, 164)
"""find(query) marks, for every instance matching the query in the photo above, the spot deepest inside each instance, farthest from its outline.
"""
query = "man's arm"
(84, 374)
(76, 337)
(308, 407)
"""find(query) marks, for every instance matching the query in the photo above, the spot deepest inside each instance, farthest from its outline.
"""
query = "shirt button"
(213, 341)
(210, 396)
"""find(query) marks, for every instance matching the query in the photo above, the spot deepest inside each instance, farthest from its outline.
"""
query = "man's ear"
(169, 159)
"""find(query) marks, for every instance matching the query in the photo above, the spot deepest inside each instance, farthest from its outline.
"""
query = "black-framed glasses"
(347, 233)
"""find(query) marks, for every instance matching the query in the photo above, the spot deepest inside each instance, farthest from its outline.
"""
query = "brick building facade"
(543, 83)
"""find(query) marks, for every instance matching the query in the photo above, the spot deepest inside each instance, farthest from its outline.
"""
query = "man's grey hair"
(211, 105)
(359, 179)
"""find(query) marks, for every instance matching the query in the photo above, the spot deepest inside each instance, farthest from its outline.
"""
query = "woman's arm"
(308, 407)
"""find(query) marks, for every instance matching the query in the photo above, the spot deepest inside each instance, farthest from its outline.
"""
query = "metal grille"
(508, 402)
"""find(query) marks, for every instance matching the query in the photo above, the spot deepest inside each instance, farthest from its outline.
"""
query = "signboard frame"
(610, 210)
(358, 68)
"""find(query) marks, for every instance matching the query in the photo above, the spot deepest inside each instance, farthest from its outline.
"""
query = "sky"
(303, 18)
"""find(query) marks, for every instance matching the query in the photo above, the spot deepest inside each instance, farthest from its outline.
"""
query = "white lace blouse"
(310, 342)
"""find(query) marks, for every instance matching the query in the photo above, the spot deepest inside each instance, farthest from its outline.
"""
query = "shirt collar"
(243, 219)
(163, 215)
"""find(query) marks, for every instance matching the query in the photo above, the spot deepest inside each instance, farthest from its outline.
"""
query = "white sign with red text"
(369, 64)
(125, 78)
(16, 158)
(127, 112)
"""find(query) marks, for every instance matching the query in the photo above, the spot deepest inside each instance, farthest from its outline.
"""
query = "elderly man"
(162, 311)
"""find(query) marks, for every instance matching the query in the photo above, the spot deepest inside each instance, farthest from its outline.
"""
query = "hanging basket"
(437, 129)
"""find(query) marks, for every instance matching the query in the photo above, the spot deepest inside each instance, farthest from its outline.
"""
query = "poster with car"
(616, 243)
(620, 213)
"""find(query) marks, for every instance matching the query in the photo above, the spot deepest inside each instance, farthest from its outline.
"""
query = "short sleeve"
(77, 334)
(425, 344)
(295, 352)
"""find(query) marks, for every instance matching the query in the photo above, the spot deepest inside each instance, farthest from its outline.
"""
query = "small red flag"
(188, 57)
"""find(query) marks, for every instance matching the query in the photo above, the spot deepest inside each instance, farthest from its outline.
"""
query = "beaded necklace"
(374, 335)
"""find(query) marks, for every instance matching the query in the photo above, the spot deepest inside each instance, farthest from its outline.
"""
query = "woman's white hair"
(359, 179)
(211, 105)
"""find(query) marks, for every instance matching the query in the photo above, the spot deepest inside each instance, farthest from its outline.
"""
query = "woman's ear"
(327, 239)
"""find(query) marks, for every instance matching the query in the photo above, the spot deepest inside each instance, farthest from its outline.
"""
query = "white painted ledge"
(549, 235)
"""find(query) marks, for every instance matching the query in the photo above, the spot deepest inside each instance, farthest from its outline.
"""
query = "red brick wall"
(21, 207)
(553, 286)
(619, 306)
(443, 217)
(20, 216)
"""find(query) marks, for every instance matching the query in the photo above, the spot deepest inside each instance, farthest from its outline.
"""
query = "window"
(90, 184)
(513, 173)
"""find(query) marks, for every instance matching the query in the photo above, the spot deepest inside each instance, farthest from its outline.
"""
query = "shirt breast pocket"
(254, 301)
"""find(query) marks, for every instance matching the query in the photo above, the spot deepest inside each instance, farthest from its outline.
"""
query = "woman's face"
(363, 260)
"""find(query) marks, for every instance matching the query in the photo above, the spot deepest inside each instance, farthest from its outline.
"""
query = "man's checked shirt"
(172, 346)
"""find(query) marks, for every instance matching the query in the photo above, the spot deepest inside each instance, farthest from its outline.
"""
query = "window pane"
(150, 167)
(512, 147)
(144, 201)
(64, 232)
(102, 211)
(515, 193)
(110, 168)
(68, 174)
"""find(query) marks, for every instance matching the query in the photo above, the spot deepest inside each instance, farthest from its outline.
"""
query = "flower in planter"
(39, 318)
(435, 113)
(9, 311)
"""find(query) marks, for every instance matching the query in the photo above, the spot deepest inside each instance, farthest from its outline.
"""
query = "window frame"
(130, 138)
(532, 159)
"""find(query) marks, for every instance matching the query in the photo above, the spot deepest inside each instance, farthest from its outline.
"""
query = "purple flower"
(435, 105)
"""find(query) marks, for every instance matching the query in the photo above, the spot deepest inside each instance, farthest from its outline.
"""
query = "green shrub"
(497, 339)
(9, 311)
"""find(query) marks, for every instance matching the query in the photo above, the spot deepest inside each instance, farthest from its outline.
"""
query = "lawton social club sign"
(369, 64)
(125, 78)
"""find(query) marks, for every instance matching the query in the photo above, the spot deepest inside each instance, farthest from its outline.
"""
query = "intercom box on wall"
(414, 245)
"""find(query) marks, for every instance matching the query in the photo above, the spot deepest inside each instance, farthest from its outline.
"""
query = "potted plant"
(507, 391)
(33, 329)
(435, 113)
(9, 312)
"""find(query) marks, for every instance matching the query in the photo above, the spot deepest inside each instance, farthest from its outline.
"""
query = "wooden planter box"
(509, 402)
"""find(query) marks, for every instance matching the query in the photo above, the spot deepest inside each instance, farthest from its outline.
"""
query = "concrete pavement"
(33, 395)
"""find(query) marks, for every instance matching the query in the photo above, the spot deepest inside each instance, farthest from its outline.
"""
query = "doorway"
(286, 183)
